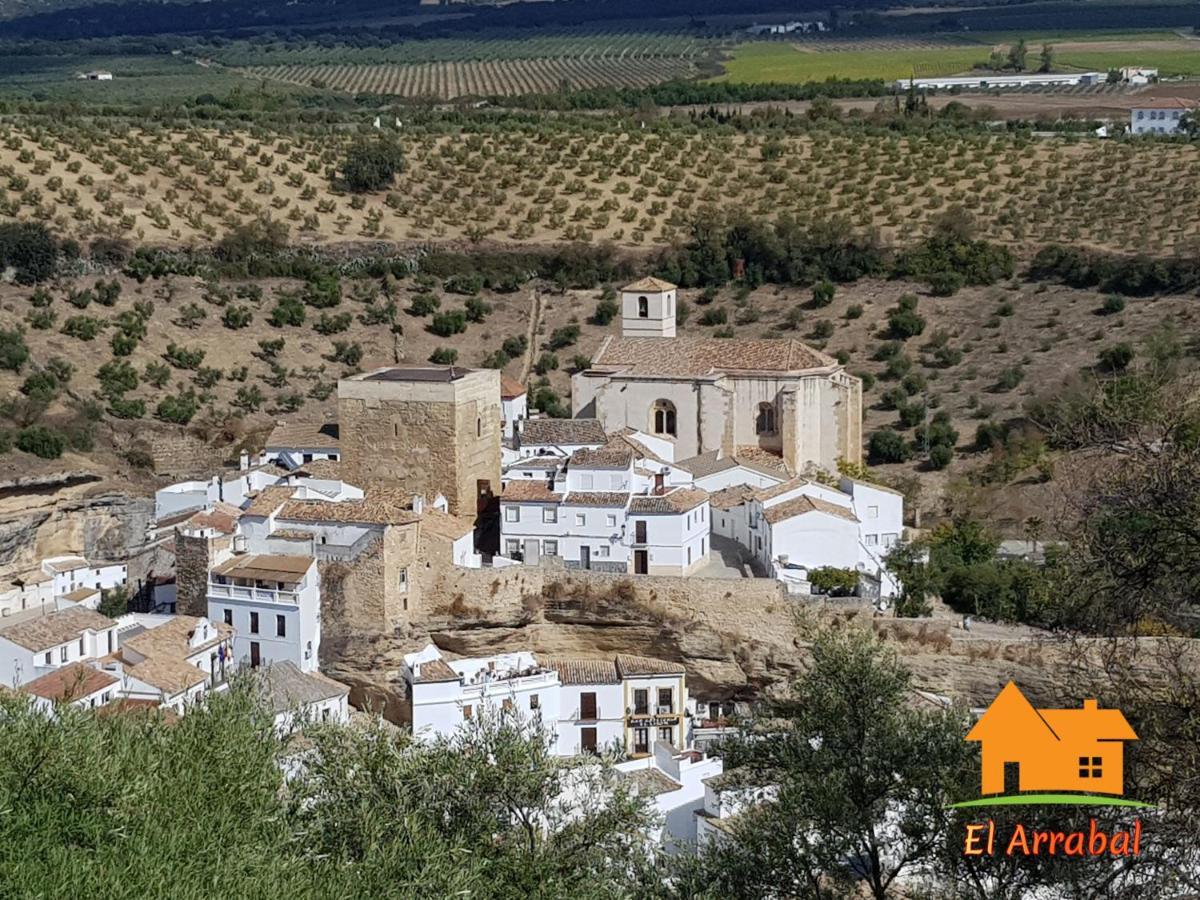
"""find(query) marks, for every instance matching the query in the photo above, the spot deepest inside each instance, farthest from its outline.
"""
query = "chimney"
(1090, 706)
(244, 461)
(659, 487)
(418, 504)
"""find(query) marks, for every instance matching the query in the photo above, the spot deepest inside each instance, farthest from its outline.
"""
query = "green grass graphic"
(1051, 800)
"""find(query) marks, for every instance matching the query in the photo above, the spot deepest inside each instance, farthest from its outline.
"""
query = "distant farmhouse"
(986, 80)
(97, 75)
(1162, 115)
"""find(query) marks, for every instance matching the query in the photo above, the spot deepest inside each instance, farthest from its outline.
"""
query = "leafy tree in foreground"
(372, 164)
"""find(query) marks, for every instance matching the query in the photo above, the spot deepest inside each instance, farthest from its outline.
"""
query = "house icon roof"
(1012, 715)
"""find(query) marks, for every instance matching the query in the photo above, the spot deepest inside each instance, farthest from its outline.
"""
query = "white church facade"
(727, 395)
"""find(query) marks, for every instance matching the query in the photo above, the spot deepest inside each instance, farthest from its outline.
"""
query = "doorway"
(1012, 777)
(641, 562)
(585, 557)
(255, 655)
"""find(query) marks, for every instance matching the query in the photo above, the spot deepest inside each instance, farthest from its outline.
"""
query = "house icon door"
(1012, 777)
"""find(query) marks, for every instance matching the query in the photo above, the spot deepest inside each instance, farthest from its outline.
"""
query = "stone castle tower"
(423, 430)
(648, 309)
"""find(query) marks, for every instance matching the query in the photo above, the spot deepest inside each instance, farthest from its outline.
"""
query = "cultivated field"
(595, 181)
(815, 59)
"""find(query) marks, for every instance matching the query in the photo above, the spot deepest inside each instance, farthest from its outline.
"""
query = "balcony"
(249, 594)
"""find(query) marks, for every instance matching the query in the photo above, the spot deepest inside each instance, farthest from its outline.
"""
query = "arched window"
(662, 417)
(765, 422)
(643, 308)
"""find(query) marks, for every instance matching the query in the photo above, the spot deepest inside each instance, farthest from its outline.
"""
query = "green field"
(760, 62)
(787, 63)
(136, 79)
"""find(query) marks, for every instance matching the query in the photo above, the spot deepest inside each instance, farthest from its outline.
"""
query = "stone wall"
(193, 558)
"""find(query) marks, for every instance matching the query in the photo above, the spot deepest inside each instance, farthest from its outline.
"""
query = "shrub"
(261, 237)
(822, 293)
(107, 292)
(606, 310)
(248, 398)
(887, 446)
(123, 408)
(903, 321)
(29, 249)
(1009, 379)
(156, 374)
(85, 328)
(833, 581)
(41, 319)
(123, 344)
(40, 386)
(288, 310)
(423, 305)
(347, 353)
(269, 349)
(446, 324)
(1112, 305)
(894, 398)
(334, 324)
(822, 330)
(990, 434)
(940, 456)
(371, 164)
(514, 346)
(178, 408)
(236, 317)
(912, 414)
(715, 315)
(443, 356)
(60, 369)
(183, 357)
(13, 352)
(477, 309)
(41, 442)
(945, 284)
(463, 283)
(854, 311)
(547, 362)
(116, 378)
(562, 337)
(323, 290)
(1115, 358)
(207, 377)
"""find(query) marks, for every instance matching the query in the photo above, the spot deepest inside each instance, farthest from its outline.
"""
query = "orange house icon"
(1027, 749)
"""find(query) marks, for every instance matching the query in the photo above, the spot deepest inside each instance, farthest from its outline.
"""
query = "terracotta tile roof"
(607, 457)
(168, 674)
(651, 782)
(802, 505)
(678, 501)
(435, 670)
(1167, 103)
(584, 671)
(445, 525)
(80, 594)
(625, 438)
(539, 462)
(66, 564)
(265, 567)
(776, 490)
(329, 469)
(222, 517)
(268, 500)
(562, 431)
(534, 491)
(291, 534)
(138, 706)
(706, 464)
(597, 498)
(510, 387)
(650, 285)
(706, 356)
(728, 498)
(304, 436)
(172, 639)
(71, 682)
(759, 459)
(287, 688)
(376, 508)
(44, 631)
(628, 665)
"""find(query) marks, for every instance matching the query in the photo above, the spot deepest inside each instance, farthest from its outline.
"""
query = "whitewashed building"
(273, 604)
(291, 444)
(299, 698)
(557, 437)
(673, 783)
(1161, 116)
(621, 705)
(514, 403)
(69, 573)
(34, 643)
(173, 661)
(728, 795)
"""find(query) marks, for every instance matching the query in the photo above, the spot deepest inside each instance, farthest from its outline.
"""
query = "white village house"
(590, 705)
(1162, 116)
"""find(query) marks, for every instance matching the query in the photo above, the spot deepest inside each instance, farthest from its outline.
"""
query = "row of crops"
(616, 45)
(506, 77)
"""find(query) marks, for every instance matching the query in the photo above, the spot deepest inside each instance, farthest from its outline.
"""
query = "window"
(512, 514)
(665, 696)
(689, 556)
(641, 702)
(48, 657)
(602, 551)
(662, 417)
(467, 712)
(643, 308)
(664, 734)
(479, 428)
(254, 623)
(765, 421)
(106, 696)
(889, 539)
(534, 702)
(549, 548)
(872, 540)
(511, 547)
(586, 482)
(507, 704)
(702, 550)
(281, 626)
(872, 512)
(549, 514)
(228, 616)
(402, 580)
(308, 457)
(81, 646)
(62, 653)
(610, 521)
(580, 519)
(1091, 767)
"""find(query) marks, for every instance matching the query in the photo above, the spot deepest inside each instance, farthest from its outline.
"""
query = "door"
(533, 552)
(641, 562)
(255, 655)
(587, 705)
(641, 740)
(585, 557)
(587, 740)
(483, 495)
(1012, 777)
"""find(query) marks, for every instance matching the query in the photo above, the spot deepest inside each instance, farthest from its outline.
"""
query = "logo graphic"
(1050, 756)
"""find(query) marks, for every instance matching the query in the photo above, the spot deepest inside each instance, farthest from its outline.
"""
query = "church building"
(724, 395)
